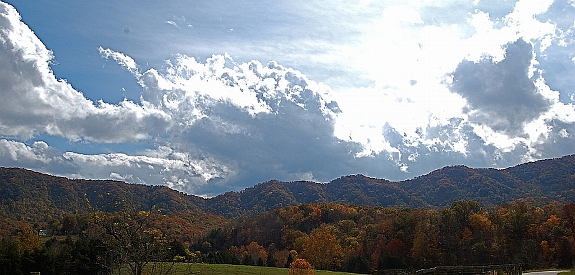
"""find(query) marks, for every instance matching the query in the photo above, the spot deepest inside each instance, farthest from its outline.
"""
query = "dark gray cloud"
(558, 142)
(288, 145)
(212, 123)
(439, 146)
(501, 95)
(258, 121)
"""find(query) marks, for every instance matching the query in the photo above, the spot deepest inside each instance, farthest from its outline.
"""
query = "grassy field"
(224, 269)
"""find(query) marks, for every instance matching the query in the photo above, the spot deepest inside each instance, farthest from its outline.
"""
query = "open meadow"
(222, 269)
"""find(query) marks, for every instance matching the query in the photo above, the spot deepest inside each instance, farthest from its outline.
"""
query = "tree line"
(332, 236)
(364, 239)
(122, 242)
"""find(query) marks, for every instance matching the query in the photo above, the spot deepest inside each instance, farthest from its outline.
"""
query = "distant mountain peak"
(551, 180)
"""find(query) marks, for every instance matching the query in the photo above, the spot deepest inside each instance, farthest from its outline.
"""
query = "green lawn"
(225, 269)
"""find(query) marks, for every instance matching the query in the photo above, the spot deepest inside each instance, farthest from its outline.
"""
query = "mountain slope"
(487, 186)
(30, 196)
(544, 180)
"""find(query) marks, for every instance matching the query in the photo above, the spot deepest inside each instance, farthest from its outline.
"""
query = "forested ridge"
(541, 181)
(30, 196)
(452, 216)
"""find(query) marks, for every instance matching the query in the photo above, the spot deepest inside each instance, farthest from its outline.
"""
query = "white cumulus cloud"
(417, 86)
(34, 101)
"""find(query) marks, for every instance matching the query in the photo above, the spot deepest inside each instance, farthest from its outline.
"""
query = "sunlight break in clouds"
(411, 60)
(442, 83)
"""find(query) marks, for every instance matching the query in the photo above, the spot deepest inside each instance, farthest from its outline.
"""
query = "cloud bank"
(209, 126)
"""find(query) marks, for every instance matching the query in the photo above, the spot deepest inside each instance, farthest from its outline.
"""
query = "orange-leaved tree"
(300, 267)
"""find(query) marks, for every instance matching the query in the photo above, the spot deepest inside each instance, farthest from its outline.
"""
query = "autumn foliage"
(363, 239)
(332, 236)
(300, 267)
(358, 233)
(323, 249)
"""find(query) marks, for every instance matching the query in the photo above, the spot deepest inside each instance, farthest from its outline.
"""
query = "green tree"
(132, 237)
(271, 261)
(69, 224)
(38, 260)
(424, 251)
(9, 258)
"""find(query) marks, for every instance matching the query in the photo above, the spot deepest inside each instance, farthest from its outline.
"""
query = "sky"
(213, 96)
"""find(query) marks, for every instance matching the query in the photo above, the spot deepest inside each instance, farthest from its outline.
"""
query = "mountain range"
(31, 196)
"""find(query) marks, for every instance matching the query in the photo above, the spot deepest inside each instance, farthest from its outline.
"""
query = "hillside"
(544, 181)
(30, 196)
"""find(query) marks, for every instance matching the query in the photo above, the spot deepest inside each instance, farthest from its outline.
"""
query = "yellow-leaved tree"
(28, 240)
(322, 249)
